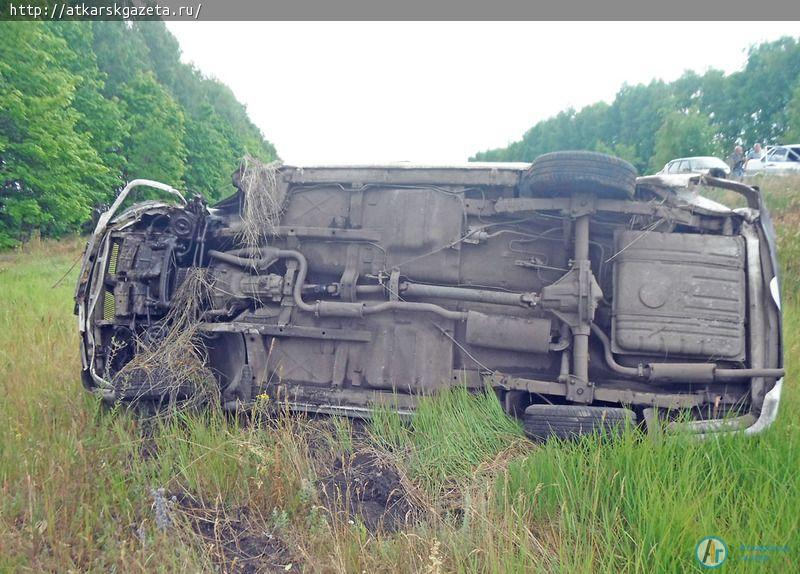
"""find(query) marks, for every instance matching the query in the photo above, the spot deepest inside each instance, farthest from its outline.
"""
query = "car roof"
(695, 157)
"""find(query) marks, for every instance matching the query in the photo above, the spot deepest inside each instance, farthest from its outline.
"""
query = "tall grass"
(449, 436)
(77, 480)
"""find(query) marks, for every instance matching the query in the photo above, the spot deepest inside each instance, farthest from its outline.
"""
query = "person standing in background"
(756, 152)
(736, 162)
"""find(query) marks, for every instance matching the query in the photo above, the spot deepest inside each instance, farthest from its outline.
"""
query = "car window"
(684, 167)
(777, 154)
(710, 163)
(703, 163)
(794, 154)
(672, 167)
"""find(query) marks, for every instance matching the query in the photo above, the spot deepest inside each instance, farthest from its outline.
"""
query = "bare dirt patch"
(368, 489)
(237, 540)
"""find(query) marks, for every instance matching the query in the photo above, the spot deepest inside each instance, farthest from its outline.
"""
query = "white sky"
(439, 92)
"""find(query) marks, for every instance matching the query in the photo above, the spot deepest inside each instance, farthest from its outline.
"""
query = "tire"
(571, 421)
(567, 172)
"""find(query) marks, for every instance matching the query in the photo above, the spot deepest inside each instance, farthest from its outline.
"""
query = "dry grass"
(170, 361)
(263, 201)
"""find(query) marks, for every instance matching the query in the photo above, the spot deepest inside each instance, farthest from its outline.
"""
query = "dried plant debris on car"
(263, 200)
(167, 361)
(586, 299)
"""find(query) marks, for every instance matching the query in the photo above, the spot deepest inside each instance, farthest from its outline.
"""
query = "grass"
(77, 480)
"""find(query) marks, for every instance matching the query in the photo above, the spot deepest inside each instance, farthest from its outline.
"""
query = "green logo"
(711, 552)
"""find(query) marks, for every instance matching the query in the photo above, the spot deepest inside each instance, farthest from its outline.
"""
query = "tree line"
(87, 106)
(706, 114)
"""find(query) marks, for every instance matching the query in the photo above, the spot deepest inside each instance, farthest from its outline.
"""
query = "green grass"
(448, 438)
(76, 479)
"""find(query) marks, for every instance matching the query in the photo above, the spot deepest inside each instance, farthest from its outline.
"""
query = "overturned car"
(584, 297)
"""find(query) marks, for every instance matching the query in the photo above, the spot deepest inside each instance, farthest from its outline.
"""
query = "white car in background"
(779, 160)
(705, 165)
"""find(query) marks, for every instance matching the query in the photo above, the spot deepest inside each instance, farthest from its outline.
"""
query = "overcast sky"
(439, 92)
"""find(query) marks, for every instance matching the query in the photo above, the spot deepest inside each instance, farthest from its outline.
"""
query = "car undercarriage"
(582, 296)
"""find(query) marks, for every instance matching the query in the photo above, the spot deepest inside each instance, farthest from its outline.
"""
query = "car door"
(776, 160)
(793, 159)
(754, 166)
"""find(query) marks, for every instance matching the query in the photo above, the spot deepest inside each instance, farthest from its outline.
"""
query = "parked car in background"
(779, 160)
(705, 165)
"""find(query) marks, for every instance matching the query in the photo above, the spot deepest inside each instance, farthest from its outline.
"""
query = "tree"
(757, 104)
(210, 157)
(217, 130)
(242, 134)
(764, 89)
(683, 133)
(164, 54)
(50, 175)
(792, 134)
(121, 53)
(636, 113)
(154, 146)
(85, 106)
(586, 129)
(100, 118)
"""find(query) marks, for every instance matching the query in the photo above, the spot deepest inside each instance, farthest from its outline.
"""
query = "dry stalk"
(263, 200)
(171, 361)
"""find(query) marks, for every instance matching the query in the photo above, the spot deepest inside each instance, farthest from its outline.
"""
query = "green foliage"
(451, 434)
(793, 116)
(100, 118)
(121, 53)
(217, 129)
(243, 136)
(760, 103)
(635, 115)
(765, 88)
(683, 133)
(154, 146)
(50, 173)
(85, 106)
(164, 50)
(209, 153)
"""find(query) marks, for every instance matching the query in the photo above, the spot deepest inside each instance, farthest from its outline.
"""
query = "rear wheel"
(717, 172)
(571, 421)
(568, 172)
